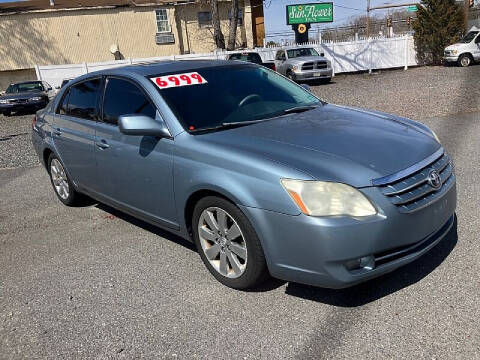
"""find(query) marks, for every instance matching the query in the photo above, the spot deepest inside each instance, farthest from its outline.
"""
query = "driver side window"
(280, 55)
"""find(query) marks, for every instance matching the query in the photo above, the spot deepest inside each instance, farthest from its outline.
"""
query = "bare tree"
(232, 33)
(217, 30)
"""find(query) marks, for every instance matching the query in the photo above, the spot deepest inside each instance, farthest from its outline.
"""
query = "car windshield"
(293, 53)
(232, 94)
(469, 37)
(25, 87)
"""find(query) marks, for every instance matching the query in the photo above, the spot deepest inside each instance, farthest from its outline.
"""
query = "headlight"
(319, 198)
(294, 67)
(35, 98)
(454, 52)
(4, 101)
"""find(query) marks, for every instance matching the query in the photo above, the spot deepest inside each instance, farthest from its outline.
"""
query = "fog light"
(366, 263)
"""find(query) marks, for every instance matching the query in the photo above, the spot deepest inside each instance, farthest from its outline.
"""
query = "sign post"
(300, 16)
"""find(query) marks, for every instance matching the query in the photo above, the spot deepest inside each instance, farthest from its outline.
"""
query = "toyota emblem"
(434, 179)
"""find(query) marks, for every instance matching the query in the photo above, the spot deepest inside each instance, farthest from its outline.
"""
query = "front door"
(477, 48)
(73, 132)
(134, 172)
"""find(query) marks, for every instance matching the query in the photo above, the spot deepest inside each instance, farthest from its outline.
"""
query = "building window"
(162, 20)
(204, 18)
(239, 17)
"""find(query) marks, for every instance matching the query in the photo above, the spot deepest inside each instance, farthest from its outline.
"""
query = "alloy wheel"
(222, 242)
(59, 179)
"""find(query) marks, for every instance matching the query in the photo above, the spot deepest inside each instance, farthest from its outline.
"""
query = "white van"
(466, 51)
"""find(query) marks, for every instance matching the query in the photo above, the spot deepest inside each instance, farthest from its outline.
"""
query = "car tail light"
(34, 121)
(274, 68)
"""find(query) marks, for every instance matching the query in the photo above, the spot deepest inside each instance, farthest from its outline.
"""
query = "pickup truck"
(303, 63)
(465, 51)
(251, 56)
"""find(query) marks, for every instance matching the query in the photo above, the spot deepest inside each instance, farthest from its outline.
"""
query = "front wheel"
(464, 60)
(291, 76)
(228, 244)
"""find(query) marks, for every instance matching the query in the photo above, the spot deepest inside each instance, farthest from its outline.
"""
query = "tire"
(62, 185)
(465, 60)
(244, 265)
(291, 76)
(7, 113)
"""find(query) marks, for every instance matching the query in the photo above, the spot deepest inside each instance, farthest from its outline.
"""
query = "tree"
(217, 30)
(232, 31)
(439, 23)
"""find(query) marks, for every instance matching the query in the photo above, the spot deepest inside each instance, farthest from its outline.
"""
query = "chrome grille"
(307, 66)
(414, 192)
(315, 65)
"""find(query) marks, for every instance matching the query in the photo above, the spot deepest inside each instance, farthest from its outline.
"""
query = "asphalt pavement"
(91, 282)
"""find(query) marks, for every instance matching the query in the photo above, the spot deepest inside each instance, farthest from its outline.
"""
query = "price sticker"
(176, 80)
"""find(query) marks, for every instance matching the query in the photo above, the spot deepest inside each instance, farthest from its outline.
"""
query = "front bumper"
(24, 106)
(313, 74)
(316, 251)
(450, 58)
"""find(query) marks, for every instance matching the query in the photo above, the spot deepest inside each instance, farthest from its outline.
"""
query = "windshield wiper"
(299, 109)
(231, 125)
(228, 125)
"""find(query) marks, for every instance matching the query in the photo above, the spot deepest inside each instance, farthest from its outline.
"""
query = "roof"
(39, 5)
(160, 68)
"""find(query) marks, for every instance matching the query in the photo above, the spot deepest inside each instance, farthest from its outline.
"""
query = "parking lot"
(93, 282)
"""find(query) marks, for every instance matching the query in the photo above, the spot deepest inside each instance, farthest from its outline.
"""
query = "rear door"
(133, 172)
(74, 130)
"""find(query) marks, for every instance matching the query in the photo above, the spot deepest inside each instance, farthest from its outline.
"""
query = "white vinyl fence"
(351, 56)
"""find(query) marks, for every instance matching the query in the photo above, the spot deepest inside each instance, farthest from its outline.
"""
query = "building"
(47, 32)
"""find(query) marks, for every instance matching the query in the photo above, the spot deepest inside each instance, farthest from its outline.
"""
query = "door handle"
(57, 132)
(102, 144)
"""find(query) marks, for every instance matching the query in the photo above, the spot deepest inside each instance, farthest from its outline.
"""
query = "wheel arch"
(195, 197)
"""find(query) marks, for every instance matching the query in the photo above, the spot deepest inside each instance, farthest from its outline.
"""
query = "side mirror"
(322, 54)
(49, 89)
(142, 125)
(306, 87)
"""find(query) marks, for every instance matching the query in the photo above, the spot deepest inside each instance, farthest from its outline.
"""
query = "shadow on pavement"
(377, 288)
(146, 226)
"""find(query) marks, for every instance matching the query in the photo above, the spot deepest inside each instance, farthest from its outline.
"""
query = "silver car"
(303, 63)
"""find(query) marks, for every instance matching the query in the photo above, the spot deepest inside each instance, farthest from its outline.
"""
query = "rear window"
(82, 100)
(250, 57)
(230, 94)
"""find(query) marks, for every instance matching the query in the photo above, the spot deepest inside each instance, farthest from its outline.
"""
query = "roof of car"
(26, 82)
(163, 67)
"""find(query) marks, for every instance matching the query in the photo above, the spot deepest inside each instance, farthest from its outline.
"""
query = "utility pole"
(368, 19)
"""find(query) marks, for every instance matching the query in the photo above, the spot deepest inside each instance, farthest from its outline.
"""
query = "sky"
(275, 13)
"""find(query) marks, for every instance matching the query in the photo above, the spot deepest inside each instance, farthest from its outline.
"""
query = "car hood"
(22, 95)
(303, 59)
(456, 46)
(334, 143)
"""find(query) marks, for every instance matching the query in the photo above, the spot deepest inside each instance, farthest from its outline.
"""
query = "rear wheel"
(7, 113)
(61, 183)
(465, 60)
(228, 244)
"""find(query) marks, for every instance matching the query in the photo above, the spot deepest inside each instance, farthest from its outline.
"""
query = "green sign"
(412, 8)
(309, 13)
